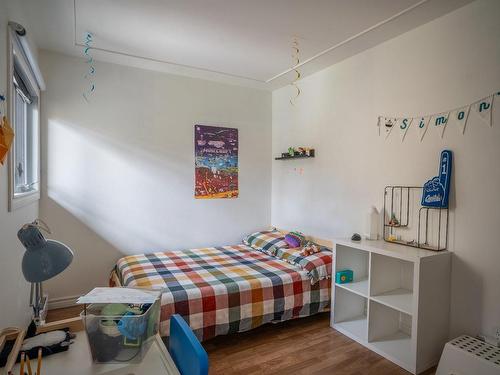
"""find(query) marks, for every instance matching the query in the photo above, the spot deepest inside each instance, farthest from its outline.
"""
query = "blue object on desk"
(344, 276)
(185, 349)
(132, 327)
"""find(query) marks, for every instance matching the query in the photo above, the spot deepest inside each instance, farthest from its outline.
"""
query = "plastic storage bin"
(120, 332)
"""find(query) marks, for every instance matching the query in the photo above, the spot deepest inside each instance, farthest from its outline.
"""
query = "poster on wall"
(216, 162)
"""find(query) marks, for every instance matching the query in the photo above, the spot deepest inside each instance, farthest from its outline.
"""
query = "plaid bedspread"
(226, 289)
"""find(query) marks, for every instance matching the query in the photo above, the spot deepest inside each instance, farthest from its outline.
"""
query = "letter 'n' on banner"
(458, 118)
(422, 125)
(440, 121)
(483, 109)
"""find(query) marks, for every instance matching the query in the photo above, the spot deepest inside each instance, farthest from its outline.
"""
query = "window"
(24, 115)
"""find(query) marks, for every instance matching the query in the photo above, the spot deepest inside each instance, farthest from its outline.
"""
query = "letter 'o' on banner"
(458, 118)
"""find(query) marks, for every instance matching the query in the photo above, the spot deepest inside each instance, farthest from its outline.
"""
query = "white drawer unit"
(398, 302)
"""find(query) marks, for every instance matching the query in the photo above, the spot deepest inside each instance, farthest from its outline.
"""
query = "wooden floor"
(301, 346)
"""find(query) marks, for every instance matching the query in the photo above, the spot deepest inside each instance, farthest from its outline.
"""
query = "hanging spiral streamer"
(89, 76)
(296, 61)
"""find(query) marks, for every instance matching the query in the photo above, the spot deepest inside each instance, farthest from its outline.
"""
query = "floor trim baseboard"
(62, 302)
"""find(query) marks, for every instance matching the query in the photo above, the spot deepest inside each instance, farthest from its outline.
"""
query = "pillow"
(295, 239)
(268, 242)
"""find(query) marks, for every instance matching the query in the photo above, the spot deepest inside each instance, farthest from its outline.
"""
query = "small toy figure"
(310, 248)
(393, 222)
(392, 238)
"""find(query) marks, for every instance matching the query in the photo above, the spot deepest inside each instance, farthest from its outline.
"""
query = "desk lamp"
(42, 260)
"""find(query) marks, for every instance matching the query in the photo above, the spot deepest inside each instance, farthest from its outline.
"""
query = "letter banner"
(457, 118)
(404, 125)
(389, 124)
(423, 124)
(483, 109)
(439, 121)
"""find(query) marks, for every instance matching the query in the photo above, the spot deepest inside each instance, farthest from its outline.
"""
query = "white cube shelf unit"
(398, 303)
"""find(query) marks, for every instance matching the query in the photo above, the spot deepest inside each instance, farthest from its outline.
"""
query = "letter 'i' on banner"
(458, 118)
(423, 124)
(483, 109)
(440, 121)
(404, 125)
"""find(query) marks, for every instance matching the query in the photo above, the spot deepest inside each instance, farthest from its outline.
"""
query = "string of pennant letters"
(457, 118)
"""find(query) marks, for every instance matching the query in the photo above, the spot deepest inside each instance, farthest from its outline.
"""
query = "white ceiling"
(240, 41)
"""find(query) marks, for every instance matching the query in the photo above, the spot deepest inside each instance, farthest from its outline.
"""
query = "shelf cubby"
(357, 261)
(392, 282)
(351, 314)
(390, 332)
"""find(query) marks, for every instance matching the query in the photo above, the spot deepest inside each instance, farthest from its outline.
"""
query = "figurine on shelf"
(291, 151)
(394, 222)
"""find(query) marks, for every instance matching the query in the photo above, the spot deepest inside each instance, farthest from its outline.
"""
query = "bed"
(229, 289)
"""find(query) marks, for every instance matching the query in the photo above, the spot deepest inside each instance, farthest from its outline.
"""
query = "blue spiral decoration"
(89, 76)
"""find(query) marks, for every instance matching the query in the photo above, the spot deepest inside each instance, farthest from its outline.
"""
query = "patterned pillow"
(268, 242)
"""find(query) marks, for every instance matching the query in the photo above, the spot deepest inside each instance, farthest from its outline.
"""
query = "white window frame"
(15, 51)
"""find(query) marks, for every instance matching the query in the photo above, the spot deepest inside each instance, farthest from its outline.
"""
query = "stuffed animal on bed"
(309, 249)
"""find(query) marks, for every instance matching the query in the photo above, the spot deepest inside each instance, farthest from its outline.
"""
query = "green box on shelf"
(344, 276)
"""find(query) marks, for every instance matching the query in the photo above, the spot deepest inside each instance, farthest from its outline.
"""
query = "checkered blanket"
(226, 289)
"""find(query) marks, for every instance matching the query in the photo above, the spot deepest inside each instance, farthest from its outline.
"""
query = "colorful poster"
(216, 162)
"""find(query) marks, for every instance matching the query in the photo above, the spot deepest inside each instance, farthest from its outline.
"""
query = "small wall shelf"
(398, 302)
(286, 156)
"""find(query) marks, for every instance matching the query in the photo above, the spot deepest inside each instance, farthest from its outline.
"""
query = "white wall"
(14, 290)
(446, 63)
(119, 171)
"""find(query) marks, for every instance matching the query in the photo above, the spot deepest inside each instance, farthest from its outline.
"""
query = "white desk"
(78, 361)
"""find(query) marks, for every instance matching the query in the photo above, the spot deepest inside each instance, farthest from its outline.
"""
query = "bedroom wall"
(449, 62)
(14, 293)
(119, 170)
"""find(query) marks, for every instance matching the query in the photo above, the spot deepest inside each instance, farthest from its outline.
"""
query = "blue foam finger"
(436, 191)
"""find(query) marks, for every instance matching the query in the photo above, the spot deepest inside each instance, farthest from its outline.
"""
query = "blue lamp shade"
(43, 258)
